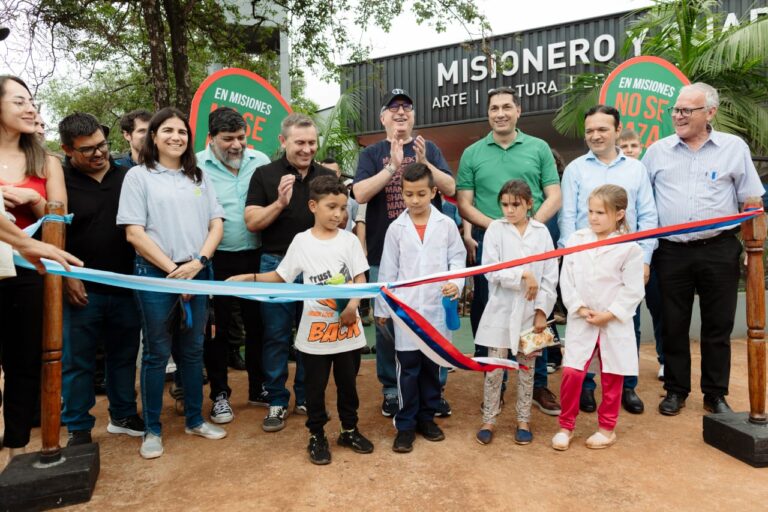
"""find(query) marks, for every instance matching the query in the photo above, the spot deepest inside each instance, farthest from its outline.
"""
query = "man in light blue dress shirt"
(606, 164)
(230, 164)
(699, 173)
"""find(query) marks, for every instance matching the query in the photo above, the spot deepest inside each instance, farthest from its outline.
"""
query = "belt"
(705, 241)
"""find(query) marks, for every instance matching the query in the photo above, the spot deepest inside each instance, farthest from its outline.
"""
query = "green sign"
(260, 104)
(642, 89)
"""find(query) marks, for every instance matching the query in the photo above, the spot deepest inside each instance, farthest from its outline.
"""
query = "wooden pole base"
(28, 484)
(735, 435)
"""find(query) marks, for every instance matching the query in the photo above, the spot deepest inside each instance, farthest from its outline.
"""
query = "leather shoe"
(672, 404)
(587, 401)
(631, 401)
(716, 404)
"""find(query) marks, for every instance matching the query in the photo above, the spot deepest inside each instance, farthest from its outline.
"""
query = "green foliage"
(338, 128)
(689, 34)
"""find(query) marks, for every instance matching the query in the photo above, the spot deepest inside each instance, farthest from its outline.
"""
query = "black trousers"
(21, 334)
(418, 384)
(216, 349)
(710, 269)
(317, 370)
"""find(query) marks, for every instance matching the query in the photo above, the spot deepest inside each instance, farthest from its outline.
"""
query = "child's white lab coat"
(603, 279)
(405, 256)
(508, 312)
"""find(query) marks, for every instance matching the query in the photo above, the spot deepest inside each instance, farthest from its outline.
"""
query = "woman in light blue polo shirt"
(172, 218)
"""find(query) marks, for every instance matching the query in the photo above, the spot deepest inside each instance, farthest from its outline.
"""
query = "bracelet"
(255, 280)
(390, 169)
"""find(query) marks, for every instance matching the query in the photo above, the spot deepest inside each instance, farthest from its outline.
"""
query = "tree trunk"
(177, 13)
(153, 20)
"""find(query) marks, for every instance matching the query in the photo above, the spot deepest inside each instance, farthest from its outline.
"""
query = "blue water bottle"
(451, 307)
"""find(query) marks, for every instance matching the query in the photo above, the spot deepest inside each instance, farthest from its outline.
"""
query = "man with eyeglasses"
(506, 153)
(378, 184)
(96, 314)
(230, 164)
(698, 173)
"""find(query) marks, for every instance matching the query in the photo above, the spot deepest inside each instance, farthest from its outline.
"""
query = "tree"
(165, 38)
(734, 60)
(337, 130)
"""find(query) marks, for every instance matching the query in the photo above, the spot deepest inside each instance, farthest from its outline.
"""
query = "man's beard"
(227, 159)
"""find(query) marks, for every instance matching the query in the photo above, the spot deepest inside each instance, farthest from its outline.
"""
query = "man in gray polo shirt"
(698, 173)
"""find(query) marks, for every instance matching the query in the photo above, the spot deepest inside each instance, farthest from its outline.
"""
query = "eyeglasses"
(394, 107)
(89, 151)
(20, 103)
(683, 112)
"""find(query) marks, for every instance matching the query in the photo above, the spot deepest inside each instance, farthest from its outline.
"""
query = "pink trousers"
(570, 393)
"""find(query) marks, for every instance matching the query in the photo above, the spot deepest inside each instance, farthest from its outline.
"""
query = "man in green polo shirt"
(506, 153)
(230, 164)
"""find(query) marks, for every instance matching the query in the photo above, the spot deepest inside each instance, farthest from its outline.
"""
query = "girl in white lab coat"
(518, 298)
(601, 288)
(419, 242)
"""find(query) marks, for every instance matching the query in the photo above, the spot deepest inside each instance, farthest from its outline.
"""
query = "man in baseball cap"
(378, 183)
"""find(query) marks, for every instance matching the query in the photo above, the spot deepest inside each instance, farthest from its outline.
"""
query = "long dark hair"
(34, 152)
(149, 155)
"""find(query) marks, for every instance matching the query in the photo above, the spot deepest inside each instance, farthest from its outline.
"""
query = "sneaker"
(275, 419)
(132, 425)
(300, 409)
(260, 400)
(319, 453)
(390, 406)
(151, 447)
(660, 375)
(221, 411)
(546, 401)
(176, 392)
(355, 440)
(443, 409)
(430, 431)
(207, 431)
(404, 441)
(77, 437)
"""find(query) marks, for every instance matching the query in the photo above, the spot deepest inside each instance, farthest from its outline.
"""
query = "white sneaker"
(152, 446)
(221, 411)
(660, 375)
(207, 431)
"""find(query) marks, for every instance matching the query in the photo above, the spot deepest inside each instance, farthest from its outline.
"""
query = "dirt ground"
(659, 463)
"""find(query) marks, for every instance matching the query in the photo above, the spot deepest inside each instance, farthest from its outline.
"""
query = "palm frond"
(733, 48)
(746, 117)
(581, 95)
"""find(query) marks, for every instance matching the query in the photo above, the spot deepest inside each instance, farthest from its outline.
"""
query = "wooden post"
(753, 234)
(53, 233)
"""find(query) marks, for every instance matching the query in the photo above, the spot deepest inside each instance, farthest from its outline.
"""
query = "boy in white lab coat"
(419, 242)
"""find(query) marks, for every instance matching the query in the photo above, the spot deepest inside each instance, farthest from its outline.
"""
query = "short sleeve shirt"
(174, 210)
(485, 167)
(296, 217)
(388, 204)
(337, 260)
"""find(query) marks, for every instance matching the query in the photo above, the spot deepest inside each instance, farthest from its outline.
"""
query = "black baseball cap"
(394, 94)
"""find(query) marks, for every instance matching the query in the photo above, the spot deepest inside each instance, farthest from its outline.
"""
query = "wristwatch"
(203, 260)
(390, 169)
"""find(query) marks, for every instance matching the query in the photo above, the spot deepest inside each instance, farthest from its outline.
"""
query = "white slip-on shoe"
(598, 440)
(207, 431)
(562, 441)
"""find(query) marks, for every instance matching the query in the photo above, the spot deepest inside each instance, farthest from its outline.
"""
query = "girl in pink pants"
(601, 288)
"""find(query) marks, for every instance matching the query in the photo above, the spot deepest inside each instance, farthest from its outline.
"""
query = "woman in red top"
(29, 177)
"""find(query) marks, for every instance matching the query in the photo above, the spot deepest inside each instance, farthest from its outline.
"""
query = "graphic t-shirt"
(388, 204)
(325, 262)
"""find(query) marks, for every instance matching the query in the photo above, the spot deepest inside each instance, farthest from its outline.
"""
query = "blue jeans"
(279, 318)
(154, 308)
(630, 381)
(108, 319)
(385, 350)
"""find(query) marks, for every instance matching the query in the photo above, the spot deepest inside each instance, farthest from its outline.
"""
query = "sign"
(643, 89)
(261, 106)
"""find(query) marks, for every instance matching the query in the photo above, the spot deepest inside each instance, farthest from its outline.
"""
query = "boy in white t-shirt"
(330, 333)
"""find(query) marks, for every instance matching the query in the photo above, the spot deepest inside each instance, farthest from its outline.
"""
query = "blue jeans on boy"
(154, 308)
(279, 318)
(110, 319)
(385, 351)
